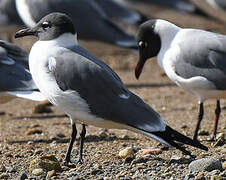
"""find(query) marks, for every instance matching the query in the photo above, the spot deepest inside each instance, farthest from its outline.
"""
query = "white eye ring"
(46, 25)
(143, 44)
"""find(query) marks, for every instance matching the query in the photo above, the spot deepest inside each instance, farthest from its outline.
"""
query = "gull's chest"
(39, 68)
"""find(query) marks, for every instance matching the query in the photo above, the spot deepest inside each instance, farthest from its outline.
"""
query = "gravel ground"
(33, 145)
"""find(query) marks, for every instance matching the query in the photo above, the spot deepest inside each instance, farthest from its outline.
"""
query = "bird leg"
(217, 112)
(82, 136)
(201, 112)
(72, 140)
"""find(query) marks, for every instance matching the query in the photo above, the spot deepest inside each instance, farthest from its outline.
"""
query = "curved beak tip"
(24, 32)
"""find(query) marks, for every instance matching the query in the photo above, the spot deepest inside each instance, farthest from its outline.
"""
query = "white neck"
(64, 40)
(167, 32)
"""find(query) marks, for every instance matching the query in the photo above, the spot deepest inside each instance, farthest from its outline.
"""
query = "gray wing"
(102, 89)
(89, 19)
(117, 11)
(14, 73)
(203, 54)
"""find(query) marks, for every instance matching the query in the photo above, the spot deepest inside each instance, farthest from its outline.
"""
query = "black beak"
(25, 32)
(139, 67)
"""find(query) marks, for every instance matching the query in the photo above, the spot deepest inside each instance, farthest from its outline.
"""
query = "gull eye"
(46, 25)
(142, 44)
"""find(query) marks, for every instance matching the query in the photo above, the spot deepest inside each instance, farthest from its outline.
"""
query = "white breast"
(24, 13)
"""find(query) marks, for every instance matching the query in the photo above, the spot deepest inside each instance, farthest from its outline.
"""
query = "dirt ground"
(177, 107)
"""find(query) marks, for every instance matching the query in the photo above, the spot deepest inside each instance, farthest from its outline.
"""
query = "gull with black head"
(88, 90)
(192, 58)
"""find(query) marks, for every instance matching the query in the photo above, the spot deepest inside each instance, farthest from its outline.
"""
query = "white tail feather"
(32, 95)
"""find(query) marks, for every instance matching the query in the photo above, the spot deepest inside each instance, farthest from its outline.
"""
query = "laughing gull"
(15, 78)
(194, 59)
(115, 10)
(90, 20)
(88, 90)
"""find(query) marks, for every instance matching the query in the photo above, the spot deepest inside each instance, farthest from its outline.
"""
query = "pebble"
(41, 108)
(204, 133)
(50, 174)
(2, 168)
(4, 176)
(214, 172)
(10, 169)
(180, 160)
(22, 176)
(33, 131)
(153, 151)
(224, 165)
(126, 153)
(37, 172)
(47, 162)
(205, 164)
(220, 140)
(200, 176)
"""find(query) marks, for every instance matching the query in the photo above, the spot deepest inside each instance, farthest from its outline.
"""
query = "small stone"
(181, 160)
(50, 174)
(216, 178)
(41, 108)
(153, 151)
(205, 164)
(10, 169)
(214, 172)
(38, 151)
(204, 133)
(200, 176)
(2, 168)
(4, 176)
(33, 131)
(22, 176)
(224, 165)
(126, 153)
(47, 162)
(103, 134)
(37, 172)
(220, 140)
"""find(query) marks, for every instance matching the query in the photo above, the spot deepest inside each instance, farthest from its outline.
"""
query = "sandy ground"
(177, 107)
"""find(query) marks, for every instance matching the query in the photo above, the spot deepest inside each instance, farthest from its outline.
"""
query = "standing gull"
(91, 20)
(15, 78)
(194, 59)
(86, 89)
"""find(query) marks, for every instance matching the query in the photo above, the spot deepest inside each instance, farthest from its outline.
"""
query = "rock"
(216, 178)
(126, 153)
(2, 168)
(41, 108)
(57, 136)
(204, 133)
(4, 176)
(181, 160)
(153, 151)
(224, 165)
(33, 131)
(205, 164)
(50, 174)
(200, 176)
(10, 169)
(22, 176)
(47, 162)
(37, 172)
(220, 140)
(214, 172)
